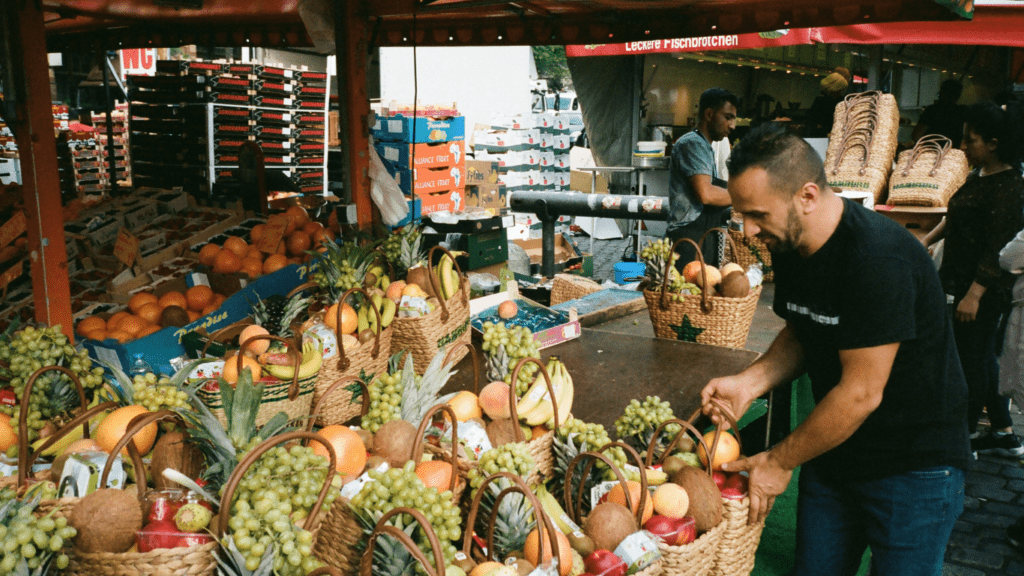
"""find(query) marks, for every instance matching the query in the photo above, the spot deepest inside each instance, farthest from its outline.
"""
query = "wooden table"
(610, 369)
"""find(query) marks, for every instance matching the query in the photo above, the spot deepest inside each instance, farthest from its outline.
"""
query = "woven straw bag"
(698, 557)
(863, 143)
(574, 506)
(749, 250)
(540, 448)
(567, 287)
(463, 467)
(545, 527)
(441, 329)
(715, 320)
(383, 528)
(197, 560)
(370, 357)
(293, 398)
(929, 174)
(738, 547)
(457, 484)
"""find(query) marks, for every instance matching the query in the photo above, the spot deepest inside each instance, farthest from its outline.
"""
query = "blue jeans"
(906, 519)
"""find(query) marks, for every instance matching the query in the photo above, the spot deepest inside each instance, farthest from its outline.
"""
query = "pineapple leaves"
(278, 424)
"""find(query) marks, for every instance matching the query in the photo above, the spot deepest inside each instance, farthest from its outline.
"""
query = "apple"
(719, 477)
(687, 530)
(737, 481)
(159, 534)
(605, 563)
(663, 527)
(733, 494)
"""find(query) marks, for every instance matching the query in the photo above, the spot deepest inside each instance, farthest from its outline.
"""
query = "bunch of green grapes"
(158, 394)
(513, 457)
(518, 343)
(275, 494)
(53, 394)
(400, 487)
(677, 285)
(658, 249)
(385, 401)
(591, 437)
(31, 545)
(639, 420)
(392, 245)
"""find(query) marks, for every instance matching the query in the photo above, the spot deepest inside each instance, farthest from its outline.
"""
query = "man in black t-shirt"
(884, 450)
(945, 117)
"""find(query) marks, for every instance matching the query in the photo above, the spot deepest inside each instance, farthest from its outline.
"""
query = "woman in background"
(821, 116)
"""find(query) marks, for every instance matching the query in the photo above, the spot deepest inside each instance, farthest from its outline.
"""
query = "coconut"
(705, 499)
(106, 521)
(394, 441)
(174, 451)
(735, 285)
(609, 524)
(502, 431)
(420, 276)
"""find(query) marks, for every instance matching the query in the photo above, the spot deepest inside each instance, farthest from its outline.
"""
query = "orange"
(349, 451)
(148, 330)
(236, 245)
(99, 335)
(89, 324)
(114, 321)
(257, 233)
(728, 449)
(531, 550)
(193, 315)
(298, 242)
(258, 347)
(298, 214)
(434, 474)
(349, 319)
(8, 436)
(207, 253)
(230, 374)
(115, 425)
(151, 312)
(274, 262)
(253, 267)
(312, 228)
(209, 309)
(219, 299)
(120, 335)
(227, 262)
(174, 298)
(325, 235)
(139, 300)
(618, 496)
(691, 271)
(132, 324)
(198, 297)
(253, 252)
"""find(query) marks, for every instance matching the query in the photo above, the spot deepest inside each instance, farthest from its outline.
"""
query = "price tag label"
(273, 234)
(126, 249)
(13, 228)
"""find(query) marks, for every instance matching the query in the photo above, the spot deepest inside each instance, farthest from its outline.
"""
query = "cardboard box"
(584, 181)
(400, 128)
(481, 172)
(567, 256)
(493, 197)
(452, 201)
(333, 129)
(565, 329)
(415, 211)
(428, 180)
(427, 155)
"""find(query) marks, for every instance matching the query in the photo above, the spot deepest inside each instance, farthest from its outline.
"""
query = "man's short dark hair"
(951, 90)
(787, 158)
(715, 98)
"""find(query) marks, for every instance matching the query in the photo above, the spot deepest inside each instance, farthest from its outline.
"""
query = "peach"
(671, 500)
(494, 400)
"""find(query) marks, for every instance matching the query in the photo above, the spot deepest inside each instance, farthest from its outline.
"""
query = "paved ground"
(995, 485)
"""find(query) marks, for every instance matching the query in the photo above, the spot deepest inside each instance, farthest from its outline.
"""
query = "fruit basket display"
(539, 445)
(750, 250)
(389, 557)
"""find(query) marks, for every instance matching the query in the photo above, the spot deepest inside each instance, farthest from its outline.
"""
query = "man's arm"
(839, 414)
(708, 193)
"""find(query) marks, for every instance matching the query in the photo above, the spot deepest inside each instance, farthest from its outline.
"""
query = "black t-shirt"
(872, 284)
(946, 119)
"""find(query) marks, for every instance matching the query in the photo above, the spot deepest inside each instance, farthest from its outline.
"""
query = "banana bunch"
(367, 319)
(554, 510)
(312, 358)
(77, 434)
(376, 278)
(535, 407)
(448, 278)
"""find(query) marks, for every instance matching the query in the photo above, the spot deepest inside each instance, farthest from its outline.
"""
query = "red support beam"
(37, 147)
(351, 41)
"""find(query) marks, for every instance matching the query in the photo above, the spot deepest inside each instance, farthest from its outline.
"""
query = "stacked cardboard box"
(532, 152)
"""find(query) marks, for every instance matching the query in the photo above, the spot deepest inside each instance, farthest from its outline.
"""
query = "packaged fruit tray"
(549, 327)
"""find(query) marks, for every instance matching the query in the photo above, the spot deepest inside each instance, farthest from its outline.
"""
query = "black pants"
(711, 217)
(977, 343)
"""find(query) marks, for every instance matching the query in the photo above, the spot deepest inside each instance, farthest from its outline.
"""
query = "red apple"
(605, 563)
(687, 530)
(663, 527)
(159, 534)
(733, 494)
(737, 481)
(719, 477)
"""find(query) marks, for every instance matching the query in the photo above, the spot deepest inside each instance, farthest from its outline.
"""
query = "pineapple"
(403, 249)
(232, 563)
(277, 313)
(342, 267)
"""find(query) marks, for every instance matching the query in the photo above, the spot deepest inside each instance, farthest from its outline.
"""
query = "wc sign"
(138, 61)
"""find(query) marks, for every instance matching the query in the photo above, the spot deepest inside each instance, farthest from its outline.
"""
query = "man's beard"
(790, 238)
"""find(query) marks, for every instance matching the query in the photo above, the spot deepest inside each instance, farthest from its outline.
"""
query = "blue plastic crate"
(626, 272)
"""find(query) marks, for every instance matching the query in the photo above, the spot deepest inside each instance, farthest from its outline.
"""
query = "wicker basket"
(567, 287)
(698, 557)
(929, 174)
(545, 526)
(574, 505)
(863, 143)
(441, 329)
(540, 448)
(715, 320)
(463, 466)
(382, 527)
(369, 357)
(199, 560)
(293, 398)
(749, 250)
(458, 482)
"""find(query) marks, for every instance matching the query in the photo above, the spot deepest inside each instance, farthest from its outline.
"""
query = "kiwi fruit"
(174, 316)
(672, 464)
(367, 437)
(582, 544)
(465, 564)
(106, 521)
(686, 444)
(608, 524)
(366, 335)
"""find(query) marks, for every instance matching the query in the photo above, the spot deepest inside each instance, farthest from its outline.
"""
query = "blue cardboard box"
(400, 128)
(415, 208)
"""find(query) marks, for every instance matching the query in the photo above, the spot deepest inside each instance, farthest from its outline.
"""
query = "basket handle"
(292, 348)
(932, 143)
(675, 440)
(52, 439)
(222, 332)
(311, 286)
(433, 278)
(23, 462)
(366, 563)
(417, 444)
(476, 362)
(706, 305)
(630, 452)
(323, 399)
(574, 506)
(512, 399)
(250, 459)
(733, 424)
(343, 361)
(136, 425)
(518, 485)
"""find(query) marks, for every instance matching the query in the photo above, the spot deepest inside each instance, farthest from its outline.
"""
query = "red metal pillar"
(351, 41)
(37, 147)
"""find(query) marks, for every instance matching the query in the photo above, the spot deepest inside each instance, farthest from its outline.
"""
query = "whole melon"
(106, 521)
(705, 498)
(609, 524)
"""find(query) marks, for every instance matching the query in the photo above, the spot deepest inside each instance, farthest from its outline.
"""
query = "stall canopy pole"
(350, 33)
(109, 106)
(37, 147)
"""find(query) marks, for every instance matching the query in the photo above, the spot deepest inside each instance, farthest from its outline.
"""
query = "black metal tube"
(111, 157)
(550, 205)
(547, 263)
